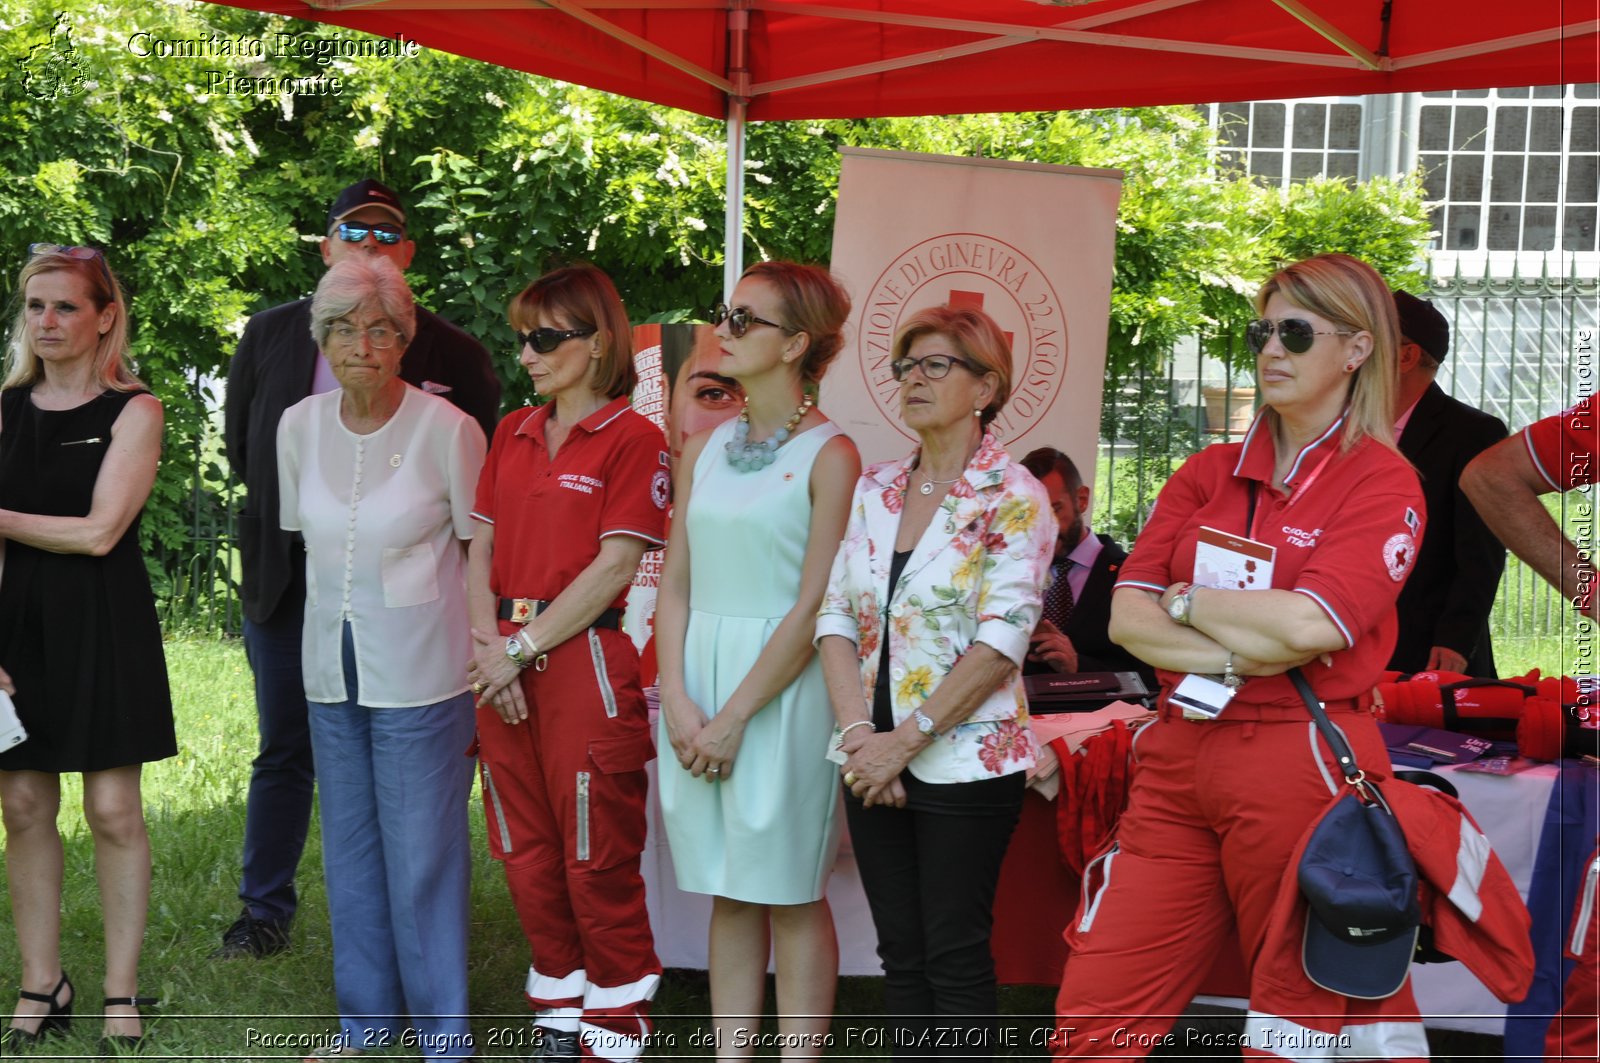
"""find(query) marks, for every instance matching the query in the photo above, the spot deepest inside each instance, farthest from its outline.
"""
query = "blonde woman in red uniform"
(572, 495)
(1218, 804)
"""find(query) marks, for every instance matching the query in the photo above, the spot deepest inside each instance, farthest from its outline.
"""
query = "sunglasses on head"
(545, 340)
(81, 254)
(739, 319)
(1296, 334)
(354, 232)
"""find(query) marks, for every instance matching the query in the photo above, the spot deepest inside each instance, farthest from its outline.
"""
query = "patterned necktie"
(1058, 600)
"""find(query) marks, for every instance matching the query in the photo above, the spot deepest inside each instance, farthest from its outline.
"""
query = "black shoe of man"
(253, 938)
(556, 1047)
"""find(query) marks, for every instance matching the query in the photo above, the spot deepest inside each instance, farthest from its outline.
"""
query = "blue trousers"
(396, 856)
(278, 808)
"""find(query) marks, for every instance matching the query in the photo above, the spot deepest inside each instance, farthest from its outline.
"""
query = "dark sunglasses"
(739, 319)
(934, 366)
(353, 232)
(81, 254)
(1296, 334)
(545, 340)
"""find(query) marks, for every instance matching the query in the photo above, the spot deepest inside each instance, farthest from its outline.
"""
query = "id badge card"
(1201, 697)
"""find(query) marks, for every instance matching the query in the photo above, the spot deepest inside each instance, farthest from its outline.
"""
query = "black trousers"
(930, 872)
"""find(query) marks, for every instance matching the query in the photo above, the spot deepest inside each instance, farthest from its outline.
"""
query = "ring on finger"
(849, 778)
(477, 688)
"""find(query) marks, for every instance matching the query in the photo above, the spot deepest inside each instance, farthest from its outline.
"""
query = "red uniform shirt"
(610, 477)
(1346, 536)
(1563, 446)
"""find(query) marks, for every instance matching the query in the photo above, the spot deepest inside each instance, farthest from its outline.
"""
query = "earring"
(978, 412)
(1349, 367)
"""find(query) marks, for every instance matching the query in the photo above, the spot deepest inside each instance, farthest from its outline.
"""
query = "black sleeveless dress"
(78, 634)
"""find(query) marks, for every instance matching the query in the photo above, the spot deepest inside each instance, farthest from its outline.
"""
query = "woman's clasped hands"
(873, 765)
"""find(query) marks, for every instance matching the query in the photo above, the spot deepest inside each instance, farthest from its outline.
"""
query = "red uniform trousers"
(1573, 1033)
(564, 796)
(1214, 815)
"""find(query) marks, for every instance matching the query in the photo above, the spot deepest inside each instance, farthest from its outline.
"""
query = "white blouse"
(382, 515)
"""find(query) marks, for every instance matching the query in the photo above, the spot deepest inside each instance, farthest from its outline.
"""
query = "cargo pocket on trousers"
(610, 825)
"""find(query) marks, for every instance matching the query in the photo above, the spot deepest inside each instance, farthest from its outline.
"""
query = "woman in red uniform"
(572, 495)
(1218, 805)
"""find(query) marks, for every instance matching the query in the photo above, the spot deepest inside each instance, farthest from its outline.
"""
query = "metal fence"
(1511, 355)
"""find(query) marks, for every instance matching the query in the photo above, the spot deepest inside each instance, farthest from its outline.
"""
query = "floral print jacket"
(976, 575)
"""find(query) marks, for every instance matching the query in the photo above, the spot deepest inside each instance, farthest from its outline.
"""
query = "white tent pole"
(733, 218)
(738, 101)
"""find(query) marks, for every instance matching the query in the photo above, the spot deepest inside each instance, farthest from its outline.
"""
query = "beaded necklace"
(747, 456)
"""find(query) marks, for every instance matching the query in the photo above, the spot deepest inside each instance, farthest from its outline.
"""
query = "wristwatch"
(516, 651)
(924, 723)
(1181, 604)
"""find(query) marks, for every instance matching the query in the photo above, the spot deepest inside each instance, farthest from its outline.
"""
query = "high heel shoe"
(112, 1044)
(56, 1021)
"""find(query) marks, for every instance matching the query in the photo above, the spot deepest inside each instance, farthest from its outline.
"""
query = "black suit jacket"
(271, 371)
(1446, 601)
(1091, 617)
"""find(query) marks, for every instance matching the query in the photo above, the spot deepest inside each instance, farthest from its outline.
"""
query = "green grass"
(195, 806)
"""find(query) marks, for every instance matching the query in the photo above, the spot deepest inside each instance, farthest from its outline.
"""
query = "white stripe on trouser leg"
(606, 998)
(561, 1020)
(1392, 1039)
(609, 1044)
(568, 987)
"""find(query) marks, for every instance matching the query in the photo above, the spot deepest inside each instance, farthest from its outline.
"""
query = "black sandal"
(56, 1021)
(113, 1043)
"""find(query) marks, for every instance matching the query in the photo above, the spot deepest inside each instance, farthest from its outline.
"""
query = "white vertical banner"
(1029, 244)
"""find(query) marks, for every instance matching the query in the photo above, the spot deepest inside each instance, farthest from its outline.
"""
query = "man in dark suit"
(1444, 606)
(278, 364)
(1071, 636)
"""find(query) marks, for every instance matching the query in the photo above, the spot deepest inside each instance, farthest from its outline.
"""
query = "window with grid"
(1283, 141)
(1512, 169)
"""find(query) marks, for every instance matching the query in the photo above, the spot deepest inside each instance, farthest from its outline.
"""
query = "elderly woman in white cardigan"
(378, 477)
(922, 633)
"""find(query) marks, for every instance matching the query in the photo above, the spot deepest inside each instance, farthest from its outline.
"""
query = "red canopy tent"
(781, 59)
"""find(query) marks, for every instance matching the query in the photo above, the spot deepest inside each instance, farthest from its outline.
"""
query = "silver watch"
(924, 723)
(1181, 605)
(516, 651)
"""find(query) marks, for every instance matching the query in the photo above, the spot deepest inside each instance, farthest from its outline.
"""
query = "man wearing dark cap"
(1444, 607)
(278, 364)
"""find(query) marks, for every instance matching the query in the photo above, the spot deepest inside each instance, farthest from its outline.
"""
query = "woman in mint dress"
(749, 797)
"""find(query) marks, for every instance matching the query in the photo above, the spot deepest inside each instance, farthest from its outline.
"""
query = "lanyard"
(1299, 492)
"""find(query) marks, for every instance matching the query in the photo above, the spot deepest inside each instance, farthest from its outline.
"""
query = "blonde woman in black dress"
(80, 644)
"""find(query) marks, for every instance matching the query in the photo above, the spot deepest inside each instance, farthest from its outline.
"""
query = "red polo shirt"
(610, 477)
(1563, 446)
(1346, 534)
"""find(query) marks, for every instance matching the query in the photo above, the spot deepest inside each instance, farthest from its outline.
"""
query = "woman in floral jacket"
(933, 595)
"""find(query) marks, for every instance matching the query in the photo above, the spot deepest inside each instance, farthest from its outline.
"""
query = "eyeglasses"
(739, 319)
(934, 366)
(545, 340)
(1296, 334)
(353, 232)
(81, 254)
(378, 337)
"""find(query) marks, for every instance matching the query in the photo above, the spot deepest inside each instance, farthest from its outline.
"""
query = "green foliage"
(211, 202)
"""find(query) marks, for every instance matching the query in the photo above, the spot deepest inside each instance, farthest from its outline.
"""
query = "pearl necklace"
(747, 456)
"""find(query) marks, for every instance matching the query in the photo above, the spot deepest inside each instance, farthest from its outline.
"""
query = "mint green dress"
(768, 833)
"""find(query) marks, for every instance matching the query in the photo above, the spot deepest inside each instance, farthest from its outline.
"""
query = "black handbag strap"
(1330, 734)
